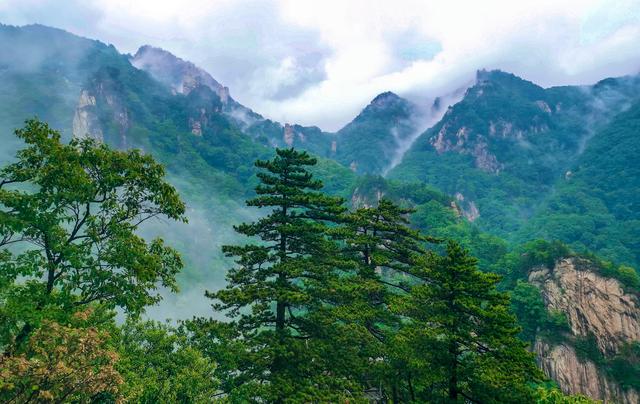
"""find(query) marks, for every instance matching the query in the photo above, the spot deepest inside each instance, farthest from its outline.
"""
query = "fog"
(318, 63)
(427, 114)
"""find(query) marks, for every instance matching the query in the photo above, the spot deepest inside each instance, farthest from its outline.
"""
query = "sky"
(320, 62)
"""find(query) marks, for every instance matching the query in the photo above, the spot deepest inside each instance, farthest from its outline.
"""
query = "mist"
(199, 241)
(423, 120)
(317, 63)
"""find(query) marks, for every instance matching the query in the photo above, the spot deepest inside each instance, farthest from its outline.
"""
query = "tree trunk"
(453, 372)
(281, 306)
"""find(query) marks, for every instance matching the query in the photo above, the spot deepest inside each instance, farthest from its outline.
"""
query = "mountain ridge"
(508, 162)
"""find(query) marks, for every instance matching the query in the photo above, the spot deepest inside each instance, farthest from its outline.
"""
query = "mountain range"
(496, 165)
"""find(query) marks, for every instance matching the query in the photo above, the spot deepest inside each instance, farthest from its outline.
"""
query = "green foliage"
(592, 209)
(552, 395)
(276, 297)
(587, 349)
(75, 209)
(529, 309)
(384, 250)
(534, 318)
(68, 220)
(624, 367)
(158, 365)
(516, 264)
(628, 276)
(462, 338)
(433, 214)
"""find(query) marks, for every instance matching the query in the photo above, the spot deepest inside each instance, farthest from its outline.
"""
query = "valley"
(542, 185)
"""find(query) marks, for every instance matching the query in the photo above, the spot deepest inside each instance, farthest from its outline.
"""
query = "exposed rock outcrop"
(575, 375)
(85, 122)
(288, 134)
(468, 209)
(182, 76)
(458, 141)
(594, 306)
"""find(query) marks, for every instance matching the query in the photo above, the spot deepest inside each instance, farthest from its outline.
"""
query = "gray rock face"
(594, 305)
(85, 123)
(577, 376)
(458, 141)
(182, 76)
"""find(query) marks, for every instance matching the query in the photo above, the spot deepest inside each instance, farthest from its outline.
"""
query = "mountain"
(507, 163)
(503, 147)
(180, 75)
(42, 70)
(504, 151)
(87, 88)
(371, 143)
(368, 143)
(596, 204)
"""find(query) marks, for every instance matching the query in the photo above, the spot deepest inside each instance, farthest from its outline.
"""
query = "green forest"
(162, 243)
(322, 304)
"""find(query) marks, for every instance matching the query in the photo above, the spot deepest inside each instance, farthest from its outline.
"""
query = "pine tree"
(461, 336)
(385, 248)
(280, 292)
(383, 240)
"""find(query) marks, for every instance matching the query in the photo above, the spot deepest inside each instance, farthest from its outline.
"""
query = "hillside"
(596, 204)
(510, 163)
(502, 149)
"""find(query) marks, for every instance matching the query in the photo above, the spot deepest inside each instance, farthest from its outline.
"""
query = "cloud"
(320, 62)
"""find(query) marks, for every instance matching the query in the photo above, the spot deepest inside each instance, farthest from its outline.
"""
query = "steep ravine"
(594, 306)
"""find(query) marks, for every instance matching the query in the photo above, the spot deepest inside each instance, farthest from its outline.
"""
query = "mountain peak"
(385, 98)
(181, 75)
(496, 75)
(387, 101)
(501, 81)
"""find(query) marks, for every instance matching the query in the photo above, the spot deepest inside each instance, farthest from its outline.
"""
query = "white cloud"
(319, 62)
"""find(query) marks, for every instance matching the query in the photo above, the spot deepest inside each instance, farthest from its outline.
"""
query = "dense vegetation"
(563, 164)
(324, 304)
(597, 207)
(362, 307)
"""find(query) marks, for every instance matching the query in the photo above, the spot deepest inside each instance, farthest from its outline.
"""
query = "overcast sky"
(320, 62)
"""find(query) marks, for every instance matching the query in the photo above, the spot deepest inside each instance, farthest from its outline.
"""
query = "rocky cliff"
(182, 76)
(85, 121)
(596, 307)
(101, 99)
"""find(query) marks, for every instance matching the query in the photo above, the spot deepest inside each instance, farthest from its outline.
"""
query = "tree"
(553, 395)
(62, 364)
(68, 220)
(280, 294)
(385, 248)
(529, 308)
(461, 336)
(159, 365)
(383, 241)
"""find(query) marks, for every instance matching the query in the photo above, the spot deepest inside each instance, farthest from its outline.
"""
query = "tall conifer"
(461, 335)
(281, 288)
(385, 249)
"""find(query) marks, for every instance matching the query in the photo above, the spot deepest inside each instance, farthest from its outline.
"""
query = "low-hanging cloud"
(320, 62)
